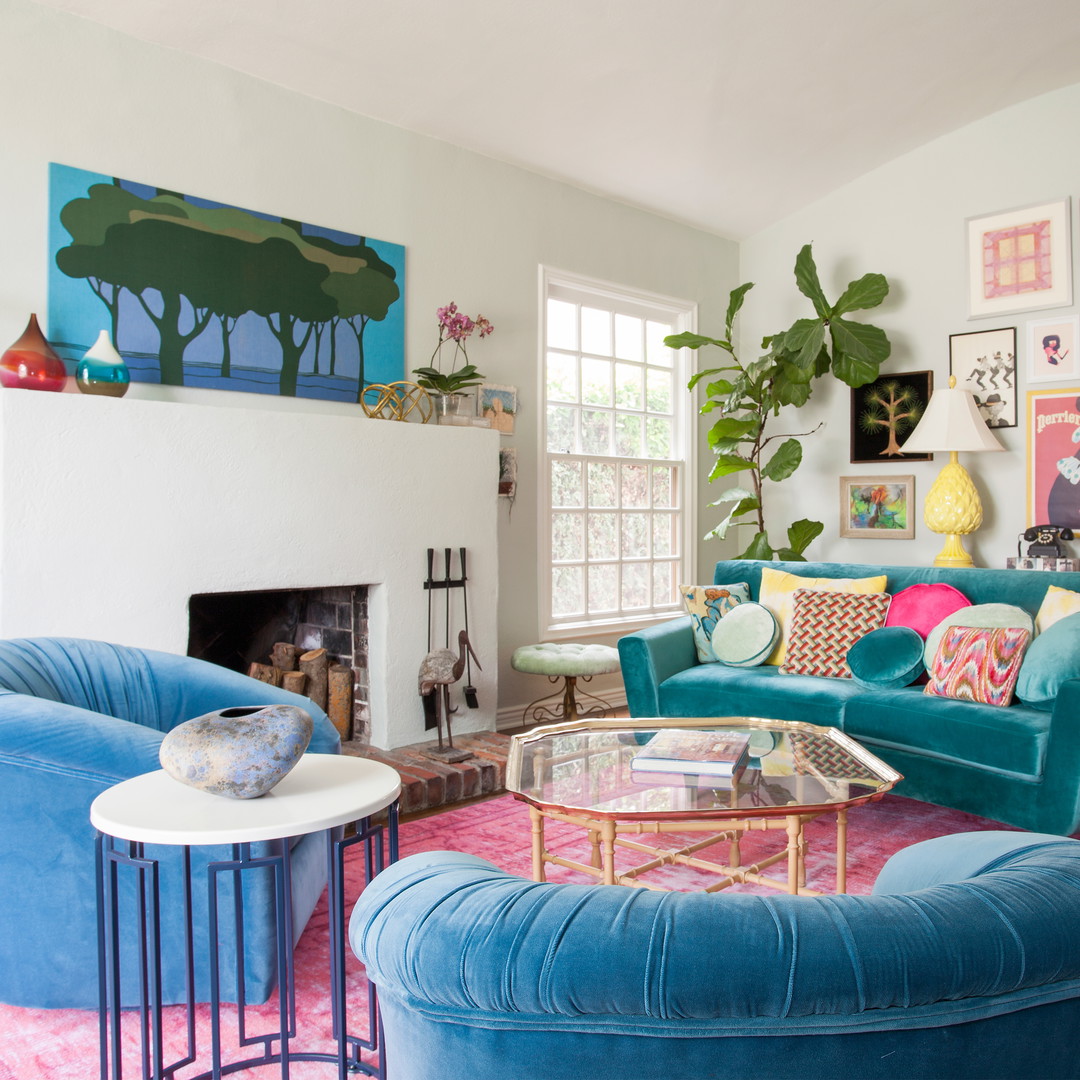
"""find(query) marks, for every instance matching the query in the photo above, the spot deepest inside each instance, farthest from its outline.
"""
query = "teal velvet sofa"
(76, 717)
(1017, 764)
(964, 963)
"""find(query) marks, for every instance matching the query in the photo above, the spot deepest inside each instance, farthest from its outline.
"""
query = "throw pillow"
(1052, 657)
(745, 636)
(707, 605)
(825, 625)
(888, 658)
(988, 615)
(924, 605)
(777, 593)
(978, 663)
(1057, 603)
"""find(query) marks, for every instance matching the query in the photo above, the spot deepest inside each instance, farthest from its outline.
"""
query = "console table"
(322, 792)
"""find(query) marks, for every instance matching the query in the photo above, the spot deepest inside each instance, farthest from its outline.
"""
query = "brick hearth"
(427, 784)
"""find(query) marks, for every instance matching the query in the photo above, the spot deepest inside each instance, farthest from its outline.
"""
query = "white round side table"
(322, 792)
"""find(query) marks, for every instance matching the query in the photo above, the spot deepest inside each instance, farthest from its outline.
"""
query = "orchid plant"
(454, 326)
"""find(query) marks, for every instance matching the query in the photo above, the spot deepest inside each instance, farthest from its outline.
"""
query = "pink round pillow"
(923, 606)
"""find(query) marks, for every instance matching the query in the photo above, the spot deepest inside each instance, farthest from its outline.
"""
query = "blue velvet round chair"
(76, 717)
(965, 962)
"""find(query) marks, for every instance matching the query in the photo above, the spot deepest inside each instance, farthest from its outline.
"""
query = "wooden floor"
(428, 784)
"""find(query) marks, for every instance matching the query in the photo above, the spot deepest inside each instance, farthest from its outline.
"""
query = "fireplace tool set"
(441, 668)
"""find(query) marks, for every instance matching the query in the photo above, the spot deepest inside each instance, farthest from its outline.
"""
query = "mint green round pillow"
(887, 658)
(982, 615)
(746, 635)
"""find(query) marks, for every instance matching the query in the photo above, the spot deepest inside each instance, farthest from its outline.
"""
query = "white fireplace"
(113, 513)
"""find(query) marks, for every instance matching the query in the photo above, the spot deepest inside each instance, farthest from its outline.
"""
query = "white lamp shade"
(951, 422)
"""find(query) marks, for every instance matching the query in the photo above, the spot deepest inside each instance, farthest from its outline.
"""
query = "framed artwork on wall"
(1054, 457)
(1052, 349)
(1020, 260)
(984, 362)
(877, 507)
(508, 472)
(499, 405)
(885, 412)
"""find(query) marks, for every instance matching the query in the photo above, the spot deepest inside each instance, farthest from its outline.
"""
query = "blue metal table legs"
(130, 918)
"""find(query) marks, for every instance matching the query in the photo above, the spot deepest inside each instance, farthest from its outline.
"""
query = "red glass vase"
(31, 362)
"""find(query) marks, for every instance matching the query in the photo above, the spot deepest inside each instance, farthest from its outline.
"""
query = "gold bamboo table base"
(606, 834)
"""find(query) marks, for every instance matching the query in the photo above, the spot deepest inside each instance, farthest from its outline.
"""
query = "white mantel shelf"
(113, 512)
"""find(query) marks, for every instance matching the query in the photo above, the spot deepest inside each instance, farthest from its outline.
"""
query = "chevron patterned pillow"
(825, 624)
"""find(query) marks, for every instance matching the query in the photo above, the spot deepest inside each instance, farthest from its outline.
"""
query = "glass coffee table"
(580, 773)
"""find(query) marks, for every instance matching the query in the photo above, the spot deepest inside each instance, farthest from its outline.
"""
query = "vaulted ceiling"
(725, 114)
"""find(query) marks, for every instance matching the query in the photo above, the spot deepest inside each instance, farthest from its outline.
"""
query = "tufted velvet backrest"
(452, 931)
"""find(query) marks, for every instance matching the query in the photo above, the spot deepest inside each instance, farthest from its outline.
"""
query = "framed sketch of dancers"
(984, 362)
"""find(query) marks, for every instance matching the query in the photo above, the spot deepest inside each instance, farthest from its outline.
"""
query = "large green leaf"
(858, 351)
(734, 494)
(806, 277)
(689, 340)
(790, 387)
(726, 464)
(728, 427)
(802, 533)
(784, 462)
(867, 292)
(803, 342)
(719, 388)
(759, 548)
(735, 301)
(744, 502)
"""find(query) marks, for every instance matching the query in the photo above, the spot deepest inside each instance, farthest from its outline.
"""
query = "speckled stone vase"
(240, 753)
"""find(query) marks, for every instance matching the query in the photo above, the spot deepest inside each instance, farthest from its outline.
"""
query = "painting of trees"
(199, 293)
(885, 412)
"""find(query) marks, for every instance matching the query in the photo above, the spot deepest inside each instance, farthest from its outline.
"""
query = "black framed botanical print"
(884, 413)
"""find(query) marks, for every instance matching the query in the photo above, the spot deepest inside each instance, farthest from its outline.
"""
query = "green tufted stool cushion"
(566, 658)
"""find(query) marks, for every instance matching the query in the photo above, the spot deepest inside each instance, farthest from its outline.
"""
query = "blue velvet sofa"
(1017, 764)
(965, 962)
(76, 717)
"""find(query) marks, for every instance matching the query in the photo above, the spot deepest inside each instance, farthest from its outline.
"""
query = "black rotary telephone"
(1045, 541)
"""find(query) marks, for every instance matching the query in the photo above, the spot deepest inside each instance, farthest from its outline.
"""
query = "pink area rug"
(43, 1044)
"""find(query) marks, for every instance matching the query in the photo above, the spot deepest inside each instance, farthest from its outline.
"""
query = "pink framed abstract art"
(1020, 260)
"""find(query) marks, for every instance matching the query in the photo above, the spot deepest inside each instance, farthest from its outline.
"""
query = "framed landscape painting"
(1020, 260)
(885, 412)
(877, 507)
(199, 293)
(984, 362)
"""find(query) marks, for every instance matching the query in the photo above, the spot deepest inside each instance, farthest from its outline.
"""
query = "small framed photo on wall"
(1052, 349)
(984, 362)
(499, 405)
(877, 507)
(1020, 260)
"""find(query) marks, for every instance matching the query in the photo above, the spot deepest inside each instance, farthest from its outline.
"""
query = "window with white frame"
(616, 455)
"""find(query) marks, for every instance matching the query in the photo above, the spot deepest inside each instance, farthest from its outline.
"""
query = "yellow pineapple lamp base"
(953, 507)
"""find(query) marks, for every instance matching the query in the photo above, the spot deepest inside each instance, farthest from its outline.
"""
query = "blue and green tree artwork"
(197, 293)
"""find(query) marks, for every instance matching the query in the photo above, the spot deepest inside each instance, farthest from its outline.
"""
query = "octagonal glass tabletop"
(788, 767)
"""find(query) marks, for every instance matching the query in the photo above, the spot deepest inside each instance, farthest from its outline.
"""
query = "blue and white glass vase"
(102, 369)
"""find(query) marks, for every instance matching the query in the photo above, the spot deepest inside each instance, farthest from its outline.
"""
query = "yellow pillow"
(1057, 603)
(777, 593)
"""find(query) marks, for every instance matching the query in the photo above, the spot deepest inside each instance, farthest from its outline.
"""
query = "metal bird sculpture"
(438, 671)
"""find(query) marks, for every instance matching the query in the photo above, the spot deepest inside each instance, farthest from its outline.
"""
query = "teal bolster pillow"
(1051, 658)
(745, 636)
(887, 658)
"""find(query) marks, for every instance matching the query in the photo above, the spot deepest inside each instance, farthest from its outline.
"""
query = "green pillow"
(1051, 658)
(989, 616)
(887, 658)
(745, 636)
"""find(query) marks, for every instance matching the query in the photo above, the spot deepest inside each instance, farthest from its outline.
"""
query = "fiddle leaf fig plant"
(748, 396)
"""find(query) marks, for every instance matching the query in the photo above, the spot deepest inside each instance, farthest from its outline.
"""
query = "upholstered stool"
(568, 661)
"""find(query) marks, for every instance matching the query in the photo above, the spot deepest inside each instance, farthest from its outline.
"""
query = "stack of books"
(708, 754)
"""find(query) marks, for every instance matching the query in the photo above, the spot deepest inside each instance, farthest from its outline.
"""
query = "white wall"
(907, 221)
(475, 230)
